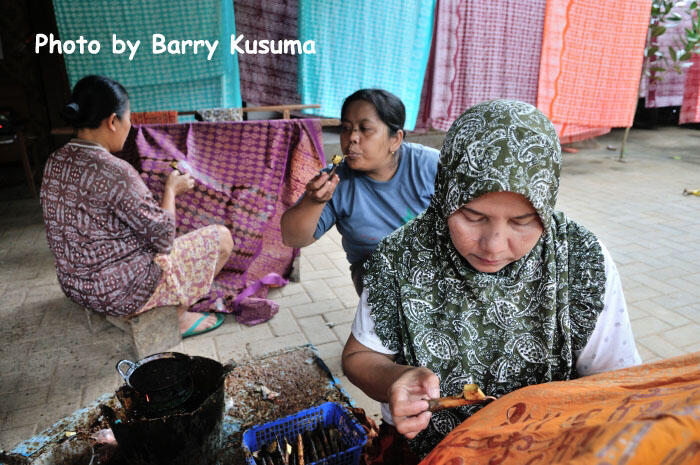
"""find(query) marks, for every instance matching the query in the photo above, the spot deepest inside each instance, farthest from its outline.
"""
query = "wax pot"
(185, 431)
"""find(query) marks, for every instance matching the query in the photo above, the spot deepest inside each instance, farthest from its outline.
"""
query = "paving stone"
(347, 295)
(646, 354)
(229, 326)
(659, 346)
(200, 347)
(676, 300)
(283, 323)
(340, 316)
(334, 364)
(649, 325)
(293, 300)
(318, 290)
(342, 331)
(317, 308)
(10, 382)
(686, 335)
(311, 276)
(11, 436)
(316, 330)
(235, 346)
(290, 289)
(320, 262)
(331, 353)
(259, 348)
(338, 281)
(22, 399)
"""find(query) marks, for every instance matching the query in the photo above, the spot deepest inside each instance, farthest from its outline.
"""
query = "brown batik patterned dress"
(104, 228)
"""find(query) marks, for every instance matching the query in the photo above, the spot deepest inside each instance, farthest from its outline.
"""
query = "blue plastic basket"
(352, 436)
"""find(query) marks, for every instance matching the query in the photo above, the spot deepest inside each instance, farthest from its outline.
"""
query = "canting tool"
(471, 394)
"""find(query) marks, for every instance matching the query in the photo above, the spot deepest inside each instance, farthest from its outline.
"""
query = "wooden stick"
(300, 449)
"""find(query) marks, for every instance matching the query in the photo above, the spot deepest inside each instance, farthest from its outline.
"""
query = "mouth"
(488, 262)
(353, 155)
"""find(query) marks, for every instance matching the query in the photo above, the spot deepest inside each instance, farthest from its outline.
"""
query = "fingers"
(431, 385)
(179, 182)
(411, 426)
(408, 408)
(321, 188)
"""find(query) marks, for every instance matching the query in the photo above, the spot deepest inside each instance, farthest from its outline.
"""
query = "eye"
(523, 222)
(472, 218)
(345, 129)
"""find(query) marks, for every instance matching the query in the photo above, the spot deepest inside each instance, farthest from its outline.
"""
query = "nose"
(354, 135)
(493, 242)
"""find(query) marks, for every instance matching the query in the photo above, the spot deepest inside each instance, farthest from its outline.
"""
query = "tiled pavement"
(50, 364)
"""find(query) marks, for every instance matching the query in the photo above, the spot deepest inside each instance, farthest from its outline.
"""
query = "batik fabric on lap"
(634, 416)
(188, 270)
(246, 175)
(504, 330)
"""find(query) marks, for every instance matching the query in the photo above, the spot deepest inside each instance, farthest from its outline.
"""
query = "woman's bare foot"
(187, 319)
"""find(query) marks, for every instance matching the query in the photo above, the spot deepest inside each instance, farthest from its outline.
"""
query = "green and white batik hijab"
(504, 330)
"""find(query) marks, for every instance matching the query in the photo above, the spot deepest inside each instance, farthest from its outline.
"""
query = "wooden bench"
(152, 331)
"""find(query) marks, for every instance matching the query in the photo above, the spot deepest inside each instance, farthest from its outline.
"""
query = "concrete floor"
(50, 363)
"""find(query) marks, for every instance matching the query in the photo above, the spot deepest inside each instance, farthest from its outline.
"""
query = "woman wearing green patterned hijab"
(490, 285)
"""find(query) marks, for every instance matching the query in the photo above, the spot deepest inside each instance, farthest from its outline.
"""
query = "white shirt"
(610, 347)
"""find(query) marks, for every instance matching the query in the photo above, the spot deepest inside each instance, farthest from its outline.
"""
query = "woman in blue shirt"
(382, 183)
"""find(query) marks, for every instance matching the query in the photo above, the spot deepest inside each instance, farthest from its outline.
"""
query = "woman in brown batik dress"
(114, 245)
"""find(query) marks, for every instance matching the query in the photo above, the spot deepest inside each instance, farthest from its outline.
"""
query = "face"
(365, 141)
(495, 230)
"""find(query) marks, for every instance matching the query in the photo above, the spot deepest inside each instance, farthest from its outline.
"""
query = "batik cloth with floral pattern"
(504, 330)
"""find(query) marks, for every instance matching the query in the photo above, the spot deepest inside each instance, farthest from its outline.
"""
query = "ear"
(111, 121)
(396, 140)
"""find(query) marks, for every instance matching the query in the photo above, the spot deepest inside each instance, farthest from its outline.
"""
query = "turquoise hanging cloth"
(162, 81)
(362, 44)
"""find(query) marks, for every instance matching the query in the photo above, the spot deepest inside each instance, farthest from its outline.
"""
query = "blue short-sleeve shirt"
(365, 210)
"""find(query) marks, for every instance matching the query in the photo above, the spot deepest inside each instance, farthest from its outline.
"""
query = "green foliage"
(678, 55)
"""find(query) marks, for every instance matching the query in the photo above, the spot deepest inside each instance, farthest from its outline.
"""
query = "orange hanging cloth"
(635, 416)
(591, 63)
(154, 117)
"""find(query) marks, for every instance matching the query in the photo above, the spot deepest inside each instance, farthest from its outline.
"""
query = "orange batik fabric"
(591, 63)
(649, 414)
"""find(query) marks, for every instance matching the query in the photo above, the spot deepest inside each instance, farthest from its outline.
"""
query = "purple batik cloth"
(246, 175)
(267, 79)
(481, 50)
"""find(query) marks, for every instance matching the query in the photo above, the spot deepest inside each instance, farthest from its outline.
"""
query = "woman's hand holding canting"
(320, 189)
(179, 183)
(408, 400)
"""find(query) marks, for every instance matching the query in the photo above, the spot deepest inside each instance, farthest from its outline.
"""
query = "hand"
(407, 400)
(320, 189)
(179, 183)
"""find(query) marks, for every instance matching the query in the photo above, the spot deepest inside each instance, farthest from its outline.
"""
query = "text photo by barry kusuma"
(160, 45)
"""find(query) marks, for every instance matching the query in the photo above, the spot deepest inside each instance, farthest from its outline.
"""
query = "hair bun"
(70, 112)
(72, 108)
